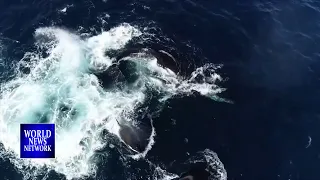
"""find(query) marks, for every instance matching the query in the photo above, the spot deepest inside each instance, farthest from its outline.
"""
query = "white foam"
(62, 77)
(115, 38)
(160, 174)
(64, 10)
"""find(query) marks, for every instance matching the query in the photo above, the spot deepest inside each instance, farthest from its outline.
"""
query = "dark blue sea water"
(270, 52)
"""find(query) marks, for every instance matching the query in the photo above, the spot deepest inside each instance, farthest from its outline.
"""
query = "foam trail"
(60, 87)
(149, 145)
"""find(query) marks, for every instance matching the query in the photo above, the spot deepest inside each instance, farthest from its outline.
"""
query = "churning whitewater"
(57, 83)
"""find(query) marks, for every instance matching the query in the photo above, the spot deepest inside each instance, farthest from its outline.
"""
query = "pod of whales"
(136, 138)
(124, 71)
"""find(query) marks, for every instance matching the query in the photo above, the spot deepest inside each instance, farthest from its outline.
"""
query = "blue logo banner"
(37, 141)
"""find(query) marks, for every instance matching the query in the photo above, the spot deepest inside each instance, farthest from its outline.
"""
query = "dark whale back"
(196, 171)
(126, 71)
(116, 74)
(134, 137)
(164, 59)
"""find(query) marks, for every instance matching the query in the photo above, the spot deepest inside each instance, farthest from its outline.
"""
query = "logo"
(37, 141)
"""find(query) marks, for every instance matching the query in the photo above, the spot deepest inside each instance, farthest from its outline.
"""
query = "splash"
(213, 163)
(64, 10)
(56, 83)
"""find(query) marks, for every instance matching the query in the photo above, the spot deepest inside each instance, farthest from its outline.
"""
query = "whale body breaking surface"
(124, 71)
(72, 82)
(135, 138)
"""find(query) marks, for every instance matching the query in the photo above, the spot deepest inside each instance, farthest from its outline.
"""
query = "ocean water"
(236, 87)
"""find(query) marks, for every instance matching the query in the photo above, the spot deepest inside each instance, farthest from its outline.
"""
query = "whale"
(124, 71)
(164, 58)
(135, 137)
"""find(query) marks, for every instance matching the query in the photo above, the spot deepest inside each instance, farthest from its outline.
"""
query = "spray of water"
(57, 84)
